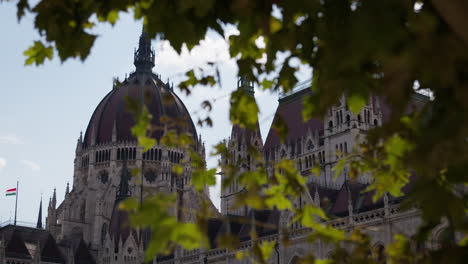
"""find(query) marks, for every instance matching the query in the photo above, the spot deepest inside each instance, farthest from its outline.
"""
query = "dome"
(112, 117)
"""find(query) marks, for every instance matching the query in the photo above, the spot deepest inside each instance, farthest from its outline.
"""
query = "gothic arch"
(378, 252)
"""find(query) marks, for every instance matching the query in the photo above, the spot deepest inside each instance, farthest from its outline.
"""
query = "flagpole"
(16, 203)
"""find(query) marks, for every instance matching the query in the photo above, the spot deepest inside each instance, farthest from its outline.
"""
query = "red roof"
(290, 110)
(142, 87)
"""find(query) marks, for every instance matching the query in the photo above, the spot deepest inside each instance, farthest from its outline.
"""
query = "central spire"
(144, 55)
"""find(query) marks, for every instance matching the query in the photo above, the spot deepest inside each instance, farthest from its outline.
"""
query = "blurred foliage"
(386, 48)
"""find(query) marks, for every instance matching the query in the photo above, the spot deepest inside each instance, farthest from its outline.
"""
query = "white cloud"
(2, 163)
(10, 139)
(31, 164)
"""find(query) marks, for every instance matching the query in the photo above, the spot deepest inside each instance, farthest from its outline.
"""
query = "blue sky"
(43, 109)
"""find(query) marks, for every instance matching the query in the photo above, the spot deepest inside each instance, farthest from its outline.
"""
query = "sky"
(43, 109)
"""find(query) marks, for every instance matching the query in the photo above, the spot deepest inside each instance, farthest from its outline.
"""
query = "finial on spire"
(144, 55)
(67, 190)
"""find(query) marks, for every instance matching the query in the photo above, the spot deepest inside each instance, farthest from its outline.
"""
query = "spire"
(144, 55)
(245, 84)
(54, 199)
(67, 190)
(79, 142)
(39, 217)
(124, 191)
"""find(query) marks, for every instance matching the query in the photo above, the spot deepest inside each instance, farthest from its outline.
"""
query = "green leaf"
(37, 53)
(338, 168)
(244, 109)
(202, 178)
(356, 103)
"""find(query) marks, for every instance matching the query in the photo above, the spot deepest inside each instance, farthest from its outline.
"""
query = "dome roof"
(112, 116)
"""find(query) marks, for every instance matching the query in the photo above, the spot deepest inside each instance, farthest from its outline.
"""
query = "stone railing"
(340, 223)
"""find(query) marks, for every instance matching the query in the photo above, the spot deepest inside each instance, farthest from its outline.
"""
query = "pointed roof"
(290, 112)
(50, 251)
(82, 254)
(39, 217)
(15, 247)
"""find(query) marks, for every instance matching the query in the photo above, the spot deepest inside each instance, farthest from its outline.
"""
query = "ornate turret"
(54, 199)
(79, 143)
(245, 84)
(67, 190)
(144, 55)
(241, 145)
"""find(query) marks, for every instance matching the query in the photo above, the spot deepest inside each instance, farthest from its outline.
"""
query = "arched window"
(376, 123)
(348, 119)
(330, 125)
(378, 253)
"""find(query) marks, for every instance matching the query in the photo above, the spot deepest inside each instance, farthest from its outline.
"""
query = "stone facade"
(108, 152)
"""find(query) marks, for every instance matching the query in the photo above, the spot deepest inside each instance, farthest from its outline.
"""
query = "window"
(103, 176)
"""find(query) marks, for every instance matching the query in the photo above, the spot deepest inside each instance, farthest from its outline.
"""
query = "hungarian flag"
(10, 192)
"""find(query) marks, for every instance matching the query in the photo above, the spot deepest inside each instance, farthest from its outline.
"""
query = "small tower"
(240, 145)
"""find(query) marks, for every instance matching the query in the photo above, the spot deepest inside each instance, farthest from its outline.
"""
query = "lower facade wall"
(380, 229)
